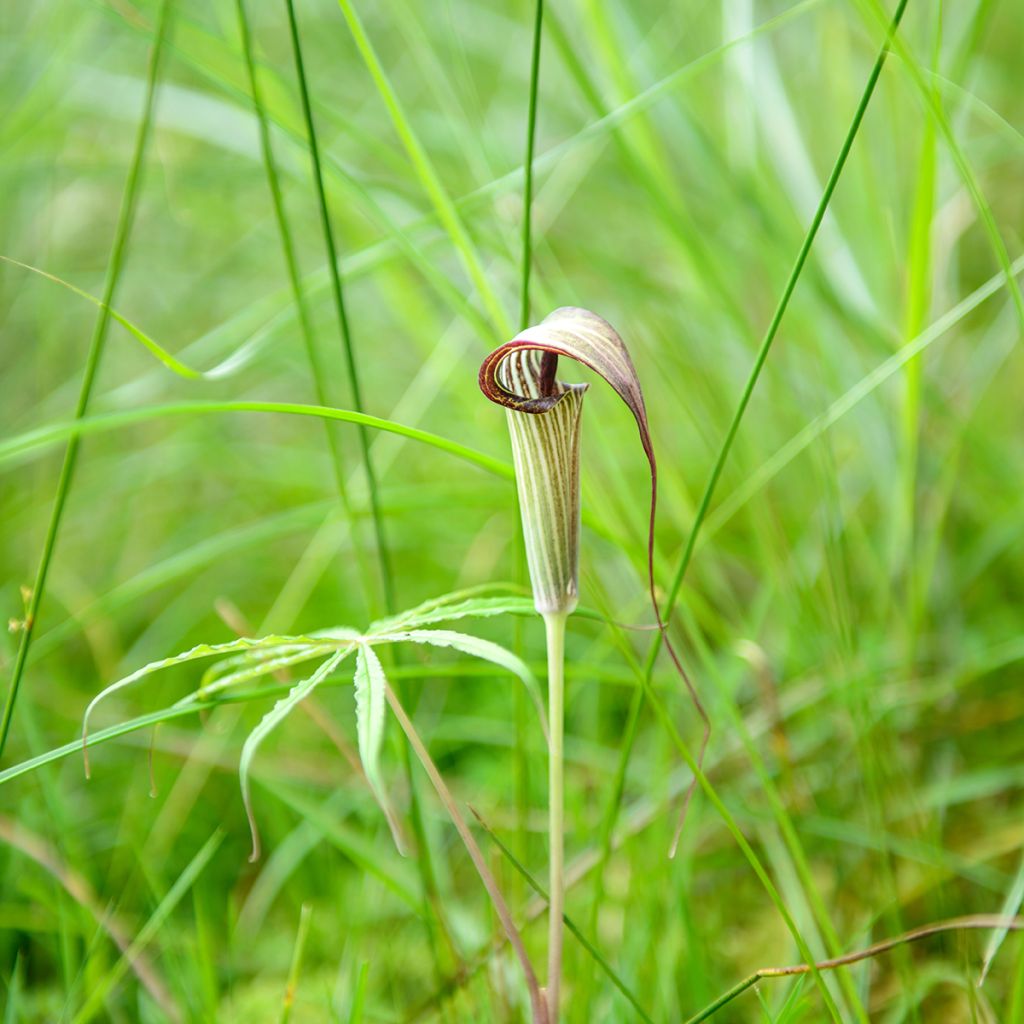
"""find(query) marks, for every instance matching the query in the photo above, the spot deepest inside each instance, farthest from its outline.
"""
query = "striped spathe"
(544, 424)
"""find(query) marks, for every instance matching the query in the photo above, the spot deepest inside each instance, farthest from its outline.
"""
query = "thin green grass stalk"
(423, 860)
(15, 984)
(383, 555)
(205, 953)
(589, 946)
(776, 320)
(933, 107)
(359, 996)
(1015, 1014)
(554, 623)
(42, 437)
(96, 346)
(531, 134)
(611, 814)
(291, 265)
(919, 269)
(554, 630)
(523, 723)
(305, 918)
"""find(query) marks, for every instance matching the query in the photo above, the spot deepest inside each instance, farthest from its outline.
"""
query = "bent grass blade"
(270, 721)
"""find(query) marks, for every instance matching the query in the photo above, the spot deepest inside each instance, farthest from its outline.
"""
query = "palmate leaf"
(247, 658)
(370, 688)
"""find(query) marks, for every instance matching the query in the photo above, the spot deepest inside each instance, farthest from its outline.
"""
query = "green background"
(852, 614)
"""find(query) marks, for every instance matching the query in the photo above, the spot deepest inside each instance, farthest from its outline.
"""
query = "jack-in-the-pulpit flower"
(544, 424)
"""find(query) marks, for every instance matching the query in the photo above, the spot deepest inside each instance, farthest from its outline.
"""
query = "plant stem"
(531, 134)
(475, 855)
(347, 345)
(294, 276)
(554, 624)
(780, 311)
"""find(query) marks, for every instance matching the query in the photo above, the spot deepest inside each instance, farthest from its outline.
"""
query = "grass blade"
(780, 312)
(277, 714)
(344, 328)
(305, 917)
(292, 267)
(231, 364)
(96, 345)
(531, 133)
(1011, 905)
(43, 437)
(445, 209)
(473, 849)
(98, 992)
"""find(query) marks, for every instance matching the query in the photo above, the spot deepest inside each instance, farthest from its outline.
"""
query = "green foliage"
(850, 614)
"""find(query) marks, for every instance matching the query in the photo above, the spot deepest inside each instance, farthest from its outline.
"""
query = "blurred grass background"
(852, 615)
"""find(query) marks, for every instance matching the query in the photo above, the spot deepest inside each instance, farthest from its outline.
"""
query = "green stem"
(287, 243)
(776, 320)
(554, 624)
(611, 815)
(475, 854)
(531, 133)
(387, 578)
(96, 345)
